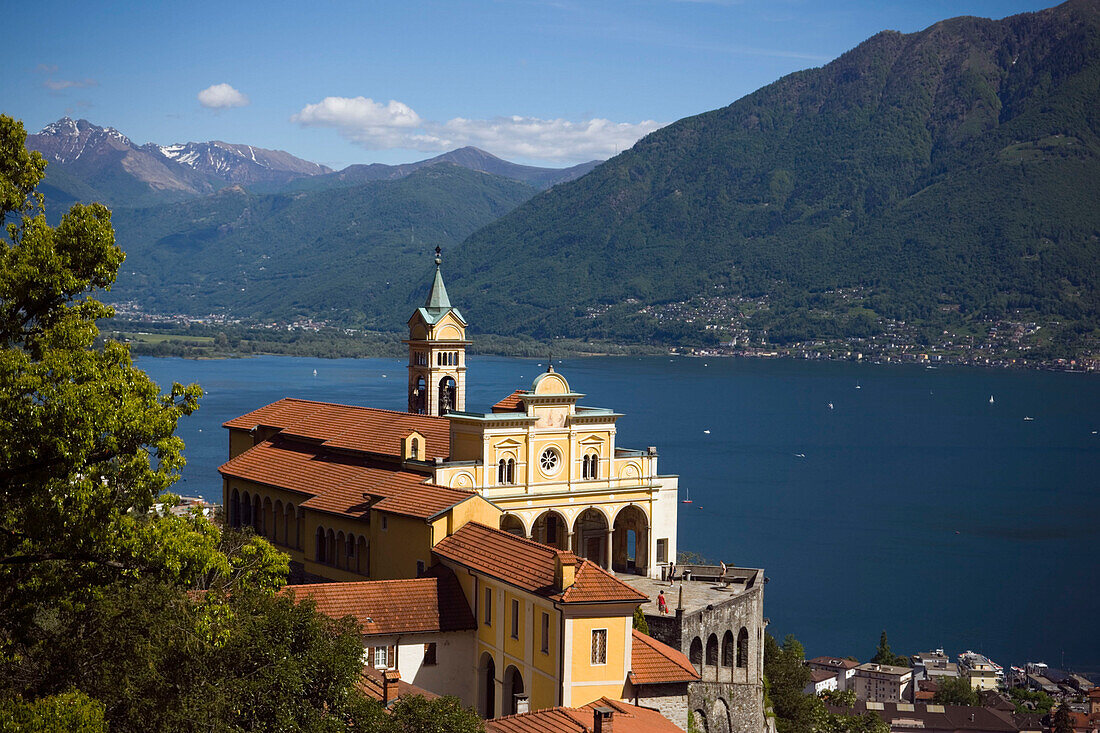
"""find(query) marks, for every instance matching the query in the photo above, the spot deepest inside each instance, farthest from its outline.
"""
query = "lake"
(911, 504)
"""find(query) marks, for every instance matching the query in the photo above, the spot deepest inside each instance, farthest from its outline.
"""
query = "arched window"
(511, 470)
(743, 647)
(446, 395)
(590, 466)
(712, 651)
(696, 654)
(415, 449)
(292, 537)
(727, 649)
(319, 552)
(502, 472)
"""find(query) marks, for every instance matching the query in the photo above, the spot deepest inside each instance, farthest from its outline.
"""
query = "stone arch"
(487, 686)
(320, 545)
(700, 720)
(235, 509)
(418, 397)
(362, 556)
(513, 685)
(712, 650)
(590, 536)
(695, 654)
(630, 541)
(720, 717)
(550, 528)
(339, 557)
(513, 524)
(743, 647)
(727, 649)
(330, 547)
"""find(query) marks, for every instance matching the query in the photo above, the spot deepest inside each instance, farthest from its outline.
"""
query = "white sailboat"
(687, 496)
(991, 399)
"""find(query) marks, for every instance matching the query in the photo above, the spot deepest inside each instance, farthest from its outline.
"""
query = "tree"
(639, 621)
(883, 655)
(1062, 722)
(955, 691)
(1031, 701)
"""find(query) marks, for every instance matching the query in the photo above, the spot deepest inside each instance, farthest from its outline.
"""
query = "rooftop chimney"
(603, 719)
(389, 685)
(523, 703)
(565, 569)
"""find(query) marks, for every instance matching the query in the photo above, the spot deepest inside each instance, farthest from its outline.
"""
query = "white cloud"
(221, 96)
(58, 85)
(378, 126)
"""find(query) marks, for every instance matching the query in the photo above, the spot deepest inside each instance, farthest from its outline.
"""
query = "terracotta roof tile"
(652, 662)
(511, 403)
(530, 565)
(340, 483)
(364, 429)
(626, 718)
(382, 607)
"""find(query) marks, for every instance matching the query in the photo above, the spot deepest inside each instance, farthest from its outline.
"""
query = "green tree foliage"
(640, 624)
(74, 712)
(786, 676)
(1061, 722)
(955, 691)
(1031, 701)
(883, 655)
(116, 611)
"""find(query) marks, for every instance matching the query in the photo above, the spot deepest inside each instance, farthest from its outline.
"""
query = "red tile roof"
(834, 662)
(415, 605)
(511, 403)
(653, 662)
(365, 429)
(626, 718)
(340, 483)
(530, 565)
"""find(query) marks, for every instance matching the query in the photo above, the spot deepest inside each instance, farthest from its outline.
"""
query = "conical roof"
(437, 296)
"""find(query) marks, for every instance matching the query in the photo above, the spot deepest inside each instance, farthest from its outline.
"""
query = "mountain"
(87, 162)
(357, 254)
(469, 157)
(949, 173)
(243, 164)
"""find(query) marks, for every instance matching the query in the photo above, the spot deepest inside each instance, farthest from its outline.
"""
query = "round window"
(550, 461)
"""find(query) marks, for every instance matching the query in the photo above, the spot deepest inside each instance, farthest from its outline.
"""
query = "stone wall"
(670, 700)
(730, 697)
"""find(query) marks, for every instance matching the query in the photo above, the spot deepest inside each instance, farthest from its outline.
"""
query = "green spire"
(437, 297)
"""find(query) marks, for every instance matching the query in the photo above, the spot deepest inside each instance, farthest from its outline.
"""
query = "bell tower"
(437, 352)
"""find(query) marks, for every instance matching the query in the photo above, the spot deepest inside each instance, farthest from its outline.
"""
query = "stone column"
(608, 554)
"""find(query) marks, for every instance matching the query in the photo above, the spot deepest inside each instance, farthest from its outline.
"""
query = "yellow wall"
(239, 442)
(395, 549)
(475, 509)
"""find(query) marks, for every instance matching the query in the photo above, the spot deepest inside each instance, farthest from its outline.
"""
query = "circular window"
(550, 461)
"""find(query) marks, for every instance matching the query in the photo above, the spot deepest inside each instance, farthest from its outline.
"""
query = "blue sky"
(550, 83)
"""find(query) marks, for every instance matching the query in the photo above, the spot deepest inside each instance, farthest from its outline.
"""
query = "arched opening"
(590, 537)
(727, 649)
(695, 654)
(278, 523)
(340, 557)
(506, 471)
(487, 686)
(330, 547)
(235, 509)
(257, 515)
(362, 556)
(590, 466)
(549, 529)
(446, 395)
(712, 651)
(418, 397)
(291, 521)
(700, 721)
(720, 717)
(513, 686)
(349, 551)
(631, 541)
(321, 546)
(269, 519)
(513, 525)
(414, 448)
(743, 647)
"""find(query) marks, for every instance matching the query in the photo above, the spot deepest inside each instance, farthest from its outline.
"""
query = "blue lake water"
(918, 507)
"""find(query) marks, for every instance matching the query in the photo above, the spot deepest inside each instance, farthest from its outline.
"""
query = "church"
(488, 555)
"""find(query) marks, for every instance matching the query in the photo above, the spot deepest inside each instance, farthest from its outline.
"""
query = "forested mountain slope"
(354, 255)
(946, 172)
